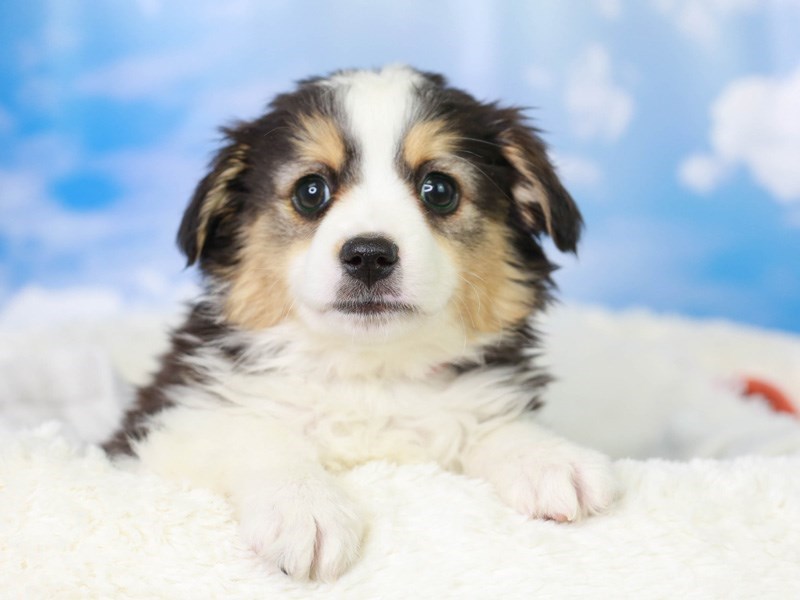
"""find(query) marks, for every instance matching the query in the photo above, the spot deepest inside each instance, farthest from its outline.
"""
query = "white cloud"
(702, 20)
(49, 154)
(108, 245)
(702, 173)
(150, 8)
(610, 9)
(127, 247)
(124, 251)
(182, 77)
(578, 171)
(538, 77)
(237, 10)
(145, 77)
(755, 123)
(599, 108)
(28, 215)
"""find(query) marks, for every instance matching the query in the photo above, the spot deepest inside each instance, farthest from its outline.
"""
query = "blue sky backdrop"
(675, 124)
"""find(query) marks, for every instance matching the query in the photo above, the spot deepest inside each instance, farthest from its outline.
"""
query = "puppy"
(371, 263)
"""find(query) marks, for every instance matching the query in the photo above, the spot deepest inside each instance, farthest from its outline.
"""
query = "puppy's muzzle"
(369, 258)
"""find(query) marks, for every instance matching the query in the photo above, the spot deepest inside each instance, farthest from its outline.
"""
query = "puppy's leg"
(541, 475)
(291, 511)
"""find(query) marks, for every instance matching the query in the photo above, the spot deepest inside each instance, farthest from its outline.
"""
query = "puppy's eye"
(311, 195)
(439, 193)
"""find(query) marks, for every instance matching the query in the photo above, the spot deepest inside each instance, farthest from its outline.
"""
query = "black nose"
(369, 259)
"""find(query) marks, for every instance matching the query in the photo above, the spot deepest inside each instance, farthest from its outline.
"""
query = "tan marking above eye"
(318, 138)
(426, 141)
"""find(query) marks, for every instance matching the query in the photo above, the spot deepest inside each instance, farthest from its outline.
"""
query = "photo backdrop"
(675, 124)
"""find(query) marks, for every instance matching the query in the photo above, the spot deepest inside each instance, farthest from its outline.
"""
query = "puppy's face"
(375, 204)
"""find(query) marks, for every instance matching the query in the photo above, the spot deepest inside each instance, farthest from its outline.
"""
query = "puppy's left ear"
(206, 225)
(542, 201)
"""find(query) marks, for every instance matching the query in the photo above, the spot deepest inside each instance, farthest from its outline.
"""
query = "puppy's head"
(376, 203)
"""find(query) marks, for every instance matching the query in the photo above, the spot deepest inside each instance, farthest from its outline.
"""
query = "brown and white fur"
(296, 363)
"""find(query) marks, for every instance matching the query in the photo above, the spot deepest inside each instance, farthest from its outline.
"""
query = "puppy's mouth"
(369, 307)
(380, 302)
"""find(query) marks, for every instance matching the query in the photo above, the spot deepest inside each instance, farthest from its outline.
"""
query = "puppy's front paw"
(558, 481)
(307, 528)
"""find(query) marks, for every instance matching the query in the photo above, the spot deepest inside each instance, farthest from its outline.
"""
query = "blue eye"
(439, 193)
(311, 195)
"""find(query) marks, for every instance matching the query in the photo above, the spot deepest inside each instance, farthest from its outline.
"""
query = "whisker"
(474, 289)
(469, 313)
(274, 129)
(463, 323)
(493, 182)
(480, 141)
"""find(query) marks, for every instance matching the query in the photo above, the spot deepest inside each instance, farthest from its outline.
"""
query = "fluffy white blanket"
(71, 525)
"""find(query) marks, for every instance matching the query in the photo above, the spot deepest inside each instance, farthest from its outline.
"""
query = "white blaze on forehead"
(378, 106)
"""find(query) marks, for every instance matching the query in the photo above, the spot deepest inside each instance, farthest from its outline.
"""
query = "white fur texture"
(72, 526)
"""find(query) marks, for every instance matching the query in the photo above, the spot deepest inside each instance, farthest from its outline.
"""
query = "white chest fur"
(356, 420)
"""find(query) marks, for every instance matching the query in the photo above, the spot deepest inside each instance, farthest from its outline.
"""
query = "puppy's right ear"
(213, 204)
(544, 203)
